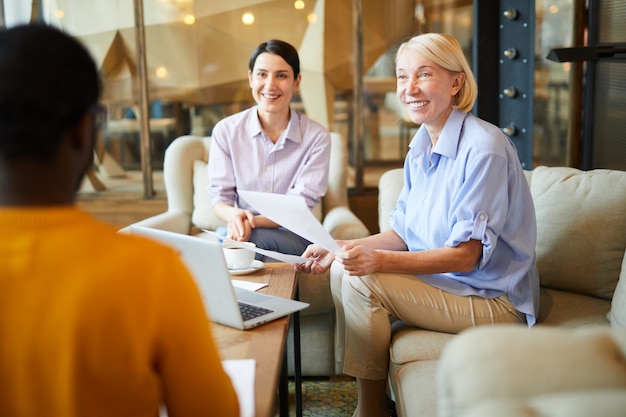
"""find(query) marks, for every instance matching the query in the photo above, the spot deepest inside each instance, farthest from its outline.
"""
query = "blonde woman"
(461, 250)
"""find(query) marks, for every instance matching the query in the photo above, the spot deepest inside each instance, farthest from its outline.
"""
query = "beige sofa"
(189, 210)
(581, 245)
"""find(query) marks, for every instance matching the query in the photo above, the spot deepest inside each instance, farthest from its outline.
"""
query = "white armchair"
(189, 210)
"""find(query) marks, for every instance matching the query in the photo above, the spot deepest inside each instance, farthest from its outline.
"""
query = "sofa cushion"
(581, 228)
(414, 355)
(617, 315)
(414, 388)
(567, 309)
(409, 344)
(203, 215)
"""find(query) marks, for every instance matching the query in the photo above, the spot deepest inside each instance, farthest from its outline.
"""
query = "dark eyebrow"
(265, 70)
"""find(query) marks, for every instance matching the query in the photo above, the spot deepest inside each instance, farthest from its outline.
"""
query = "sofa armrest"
(171, 220)
(341, 223)
(597, 403)
(178, 170)
(389, 188)
(508, 363)
(617, 314)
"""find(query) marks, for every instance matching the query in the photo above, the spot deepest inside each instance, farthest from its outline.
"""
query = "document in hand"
(292, 213)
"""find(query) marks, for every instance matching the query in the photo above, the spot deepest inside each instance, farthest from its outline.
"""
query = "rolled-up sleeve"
(480, 208)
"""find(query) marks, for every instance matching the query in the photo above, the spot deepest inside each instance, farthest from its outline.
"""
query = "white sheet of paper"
(247, 285)
(292, 213)
(283, 257)
(241, 373)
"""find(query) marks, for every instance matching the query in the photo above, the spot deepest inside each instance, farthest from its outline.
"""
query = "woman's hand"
(358, 259)
(320, 262)
(240, 226)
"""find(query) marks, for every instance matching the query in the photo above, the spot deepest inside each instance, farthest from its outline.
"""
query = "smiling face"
(425, 89)
(273, 84)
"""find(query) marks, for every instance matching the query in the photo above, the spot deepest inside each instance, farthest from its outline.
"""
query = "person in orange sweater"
(92, 322)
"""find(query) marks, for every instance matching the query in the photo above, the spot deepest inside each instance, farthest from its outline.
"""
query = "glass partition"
(554, 29)
(197, 61)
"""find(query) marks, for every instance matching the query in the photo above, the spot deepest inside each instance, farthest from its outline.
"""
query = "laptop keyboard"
(249, 311)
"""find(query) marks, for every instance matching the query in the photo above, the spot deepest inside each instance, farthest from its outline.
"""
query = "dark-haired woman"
(269, 148)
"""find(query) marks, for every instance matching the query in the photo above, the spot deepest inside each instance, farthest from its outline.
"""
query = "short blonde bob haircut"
(445, 51)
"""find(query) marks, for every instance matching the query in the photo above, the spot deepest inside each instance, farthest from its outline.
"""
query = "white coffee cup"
(238, 257)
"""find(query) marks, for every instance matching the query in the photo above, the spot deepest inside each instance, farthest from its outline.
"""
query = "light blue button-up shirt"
(472, 186)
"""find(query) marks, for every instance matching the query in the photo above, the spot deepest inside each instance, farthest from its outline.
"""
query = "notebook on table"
(224, 303)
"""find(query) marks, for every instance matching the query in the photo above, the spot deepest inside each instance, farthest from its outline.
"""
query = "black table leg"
(283, 385)
(283, 388)
(297, 363)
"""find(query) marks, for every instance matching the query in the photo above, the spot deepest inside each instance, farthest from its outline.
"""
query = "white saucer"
(254, 266)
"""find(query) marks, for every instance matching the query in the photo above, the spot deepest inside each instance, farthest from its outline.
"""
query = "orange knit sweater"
(94, 323)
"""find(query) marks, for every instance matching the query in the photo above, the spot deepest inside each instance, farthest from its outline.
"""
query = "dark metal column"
(485, 47)
(504, 36)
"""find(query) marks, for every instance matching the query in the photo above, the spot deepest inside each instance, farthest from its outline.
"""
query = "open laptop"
(224, 303)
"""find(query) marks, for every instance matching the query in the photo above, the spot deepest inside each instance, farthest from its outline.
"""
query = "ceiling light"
(247, 18)
(161, 72)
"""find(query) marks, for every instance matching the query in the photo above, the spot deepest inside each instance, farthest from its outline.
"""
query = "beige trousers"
(364, 305)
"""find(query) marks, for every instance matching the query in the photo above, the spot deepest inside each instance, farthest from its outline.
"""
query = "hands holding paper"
(320, 260)
(356, 259)
(357, 256)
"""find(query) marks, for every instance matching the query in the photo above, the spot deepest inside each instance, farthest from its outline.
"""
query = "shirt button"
(481, 217)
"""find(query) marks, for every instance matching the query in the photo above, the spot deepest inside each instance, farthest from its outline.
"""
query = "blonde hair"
(445, 51)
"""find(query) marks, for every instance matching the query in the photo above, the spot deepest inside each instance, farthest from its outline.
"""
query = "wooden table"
(266, 343)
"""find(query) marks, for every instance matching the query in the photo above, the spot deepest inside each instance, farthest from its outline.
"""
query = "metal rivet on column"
(511, 14)
(510, 53)
(510, 92)
(510, 130)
